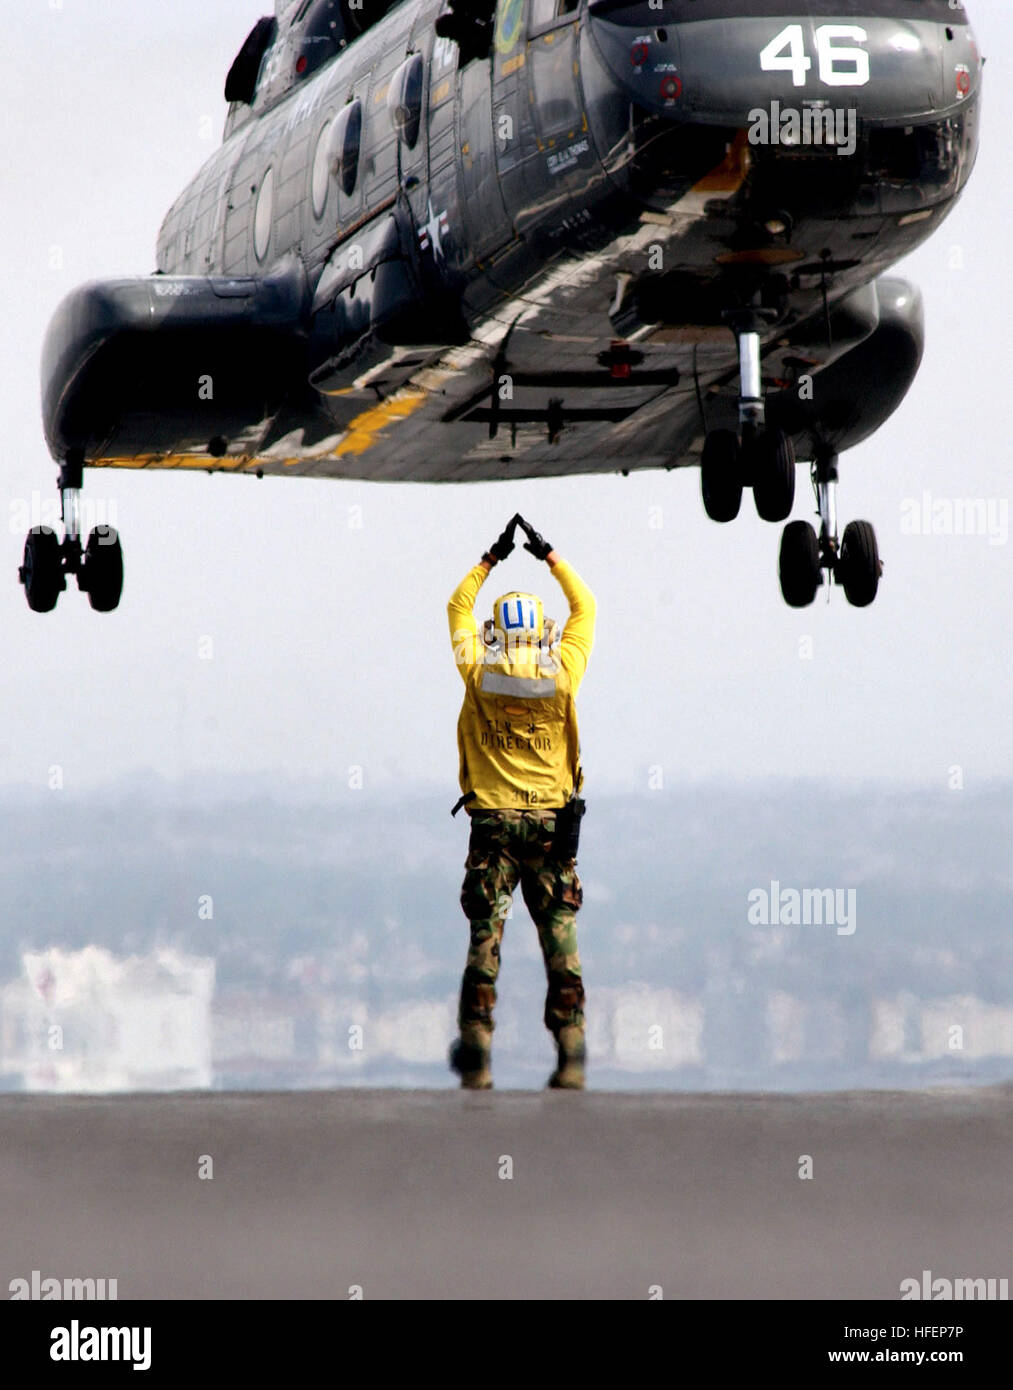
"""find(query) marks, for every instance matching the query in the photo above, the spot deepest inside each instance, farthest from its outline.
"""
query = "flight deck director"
(520, 782)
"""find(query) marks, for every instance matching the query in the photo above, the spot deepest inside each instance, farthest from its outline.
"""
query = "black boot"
(471, 1057)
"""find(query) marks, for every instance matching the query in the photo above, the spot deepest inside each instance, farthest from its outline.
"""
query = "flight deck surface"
(501, 1195)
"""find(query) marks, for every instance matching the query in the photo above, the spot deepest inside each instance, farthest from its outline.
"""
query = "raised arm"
(578, 634)
(461, 608)
(461, 614)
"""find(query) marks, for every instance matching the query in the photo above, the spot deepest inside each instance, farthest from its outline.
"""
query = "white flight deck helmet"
(518, 622)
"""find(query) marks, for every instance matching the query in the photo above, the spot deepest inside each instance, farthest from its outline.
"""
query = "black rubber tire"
(859, 567)
(721, 476)
(799, 564)
(43, 570)
(103, 569)
(774, 475)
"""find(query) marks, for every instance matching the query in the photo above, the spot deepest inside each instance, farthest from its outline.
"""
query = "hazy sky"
(330, 643)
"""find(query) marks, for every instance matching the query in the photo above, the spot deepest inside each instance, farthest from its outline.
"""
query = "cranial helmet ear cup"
(489, 632)
(550, 633)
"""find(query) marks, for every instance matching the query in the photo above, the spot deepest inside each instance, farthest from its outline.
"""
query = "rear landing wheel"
(859, 568)
(721, 476)
(799, 565)
(102, 574)
(42, 571)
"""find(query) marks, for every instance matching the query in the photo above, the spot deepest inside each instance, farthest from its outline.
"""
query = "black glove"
(536, 544)
(504, 543)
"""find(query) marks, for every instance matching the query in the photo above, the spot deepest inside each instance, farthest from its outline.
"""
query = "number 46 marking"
(786, 53)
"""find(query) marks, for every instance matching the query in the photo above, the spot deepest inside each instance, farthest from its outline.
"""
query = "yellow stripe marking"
(364, 429)
(363, 432)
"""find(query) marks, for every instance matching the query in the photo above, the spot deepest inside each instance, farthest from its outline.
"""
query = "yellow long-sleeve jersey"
(517, 732)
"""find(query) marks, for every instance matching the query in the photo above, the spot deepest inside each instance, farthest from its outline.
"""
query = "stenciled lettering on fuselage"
(444, 54)
(559, 161)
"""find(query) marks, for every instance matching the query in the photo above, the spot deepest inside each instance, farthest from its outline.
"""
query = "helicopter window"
(321, 180)
(264, 216)
(241, 83)
(323, 35)
(553, 84)
(404, 99)
(343, 145)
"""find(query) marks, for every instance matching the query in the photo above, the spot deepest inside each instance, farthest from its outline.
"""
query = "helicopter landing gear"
(852, 561)
(98, 566)
(756, 457)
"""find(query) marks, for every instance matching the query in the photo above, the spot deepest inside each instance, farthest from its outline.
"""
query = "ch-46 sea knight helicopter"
(464, 240)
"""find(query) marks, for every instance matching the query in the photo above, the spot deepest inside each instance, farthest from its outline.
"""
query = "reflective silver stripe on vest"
(527, 687)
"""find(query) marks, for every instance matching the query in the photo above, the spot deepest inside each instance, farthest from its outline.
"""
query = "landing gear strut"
(852, 562)
(47, 561)
(756, 457)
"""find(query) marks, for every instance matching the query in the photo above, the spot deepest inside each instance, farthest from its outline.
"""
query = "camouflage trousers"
(508, 847)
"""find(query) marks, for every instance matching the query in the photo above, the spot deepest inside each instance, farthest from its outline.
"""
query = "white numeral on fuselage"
(840, 65)
(774, 59)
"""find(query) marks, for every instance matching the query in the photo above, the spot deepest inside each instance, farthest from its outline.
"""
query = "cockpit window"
(327, 26)
(366, 13)
(323, 36)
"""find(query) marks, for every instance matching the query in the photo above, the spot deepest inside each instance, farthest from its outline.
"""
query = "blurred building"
(80, 1021)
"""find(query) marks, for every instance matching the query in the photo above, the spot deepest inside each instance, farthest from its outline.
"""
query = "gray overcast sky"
(330, 644)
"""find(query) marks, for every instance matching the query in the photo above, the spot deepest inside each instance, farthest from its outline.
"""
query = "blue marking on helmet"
(525, 617)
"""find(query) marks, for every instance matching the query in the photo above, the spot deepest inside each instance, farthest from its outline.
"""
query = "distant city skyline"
(232, 938)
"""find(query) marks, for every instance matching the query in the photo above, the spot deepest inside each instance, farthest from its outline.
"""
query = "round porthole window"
(322, 170)
(346, 138)
(263, 217)
(404, 99)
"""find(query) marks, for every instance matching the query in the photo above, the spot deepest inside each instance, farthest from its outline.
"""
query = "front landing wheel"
(42, 570)
(774, 475)
(721, 476)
